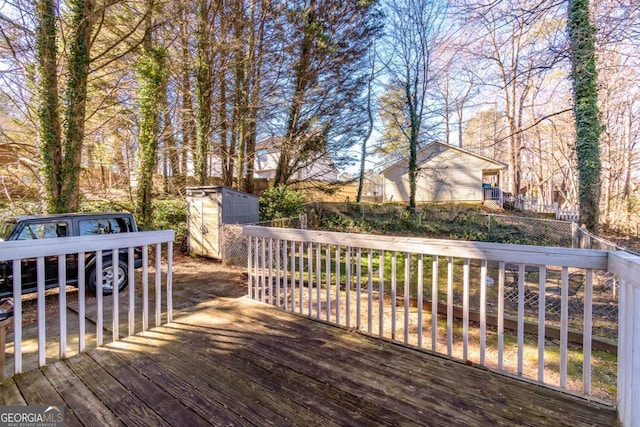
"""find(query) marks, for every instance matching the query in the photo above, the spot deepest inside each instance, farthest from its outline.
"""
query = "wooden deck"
(237, 362)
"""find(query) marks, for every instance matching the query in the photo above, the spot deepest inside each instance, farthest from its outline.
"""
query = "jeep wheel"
(108, 278)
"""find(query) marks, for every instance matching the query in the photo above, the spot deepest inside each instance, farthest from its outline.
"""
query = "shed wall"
(239, 208)
(211, 207)
(204, 226)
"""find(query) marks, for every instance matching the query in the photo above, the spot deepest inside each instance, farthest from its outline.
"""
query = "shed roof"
(217, 189)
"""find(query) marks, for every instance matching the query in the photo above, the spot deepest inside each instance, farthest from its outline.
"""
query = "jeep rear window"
(89, 227)
(43, 230)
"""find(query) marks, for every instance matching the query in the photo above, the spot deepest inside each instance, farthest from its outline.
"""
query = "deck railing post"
(17, 319)
(115, 267)
(62, 303)
(250, 265)
(158, 286)
(170, 282)
(145, 288)
(41, 313)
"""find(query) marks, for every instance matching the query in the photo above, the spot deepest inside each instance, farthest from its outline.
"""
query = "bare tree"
(619, 70)
(370, 97)
(416, 30)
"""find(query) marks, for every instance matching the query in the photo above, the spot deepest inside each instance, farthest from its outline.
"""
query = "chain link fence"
(458, 222)
(455, 222)
(234, 244)
(525, 230)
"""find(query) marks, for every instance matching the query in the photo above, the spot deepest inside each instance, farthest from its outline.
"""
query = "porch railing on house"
(491, 193)
(493, 196)
(106, 248)
(527, 311)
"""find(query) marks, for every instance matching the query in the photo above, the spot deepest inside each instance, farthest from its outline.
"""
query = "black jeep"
(66, 225)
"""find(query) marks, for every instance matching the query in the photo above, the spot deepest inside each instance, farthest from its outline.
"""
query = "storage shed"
(208, 209)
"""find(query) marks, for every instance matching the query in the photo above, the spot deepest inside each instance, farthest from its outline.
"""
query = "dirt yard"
(194, 280)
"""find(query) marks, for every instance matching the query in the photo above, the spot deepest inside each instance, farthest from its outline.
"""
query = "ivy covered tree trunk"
(76, 100)
(585, 94)
(48, 110)
(415, 123)
(151, 77)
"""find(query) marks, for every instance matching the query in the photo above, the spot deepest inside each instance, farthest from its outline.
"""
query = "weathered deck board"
(9, 394)
(243, 363)
(85, 405)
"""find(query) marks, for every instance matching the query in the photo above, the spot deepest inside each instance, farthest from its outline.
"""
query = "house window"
(262, 156)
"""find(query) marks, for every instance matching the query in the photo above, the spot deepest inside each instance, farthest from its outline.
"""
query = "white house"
(317, 169)
(445, 173)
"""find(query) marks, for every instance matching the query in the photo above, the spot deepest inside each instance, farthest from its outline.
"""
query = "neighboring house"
(372, 187)
(266, 162)
(446, 173)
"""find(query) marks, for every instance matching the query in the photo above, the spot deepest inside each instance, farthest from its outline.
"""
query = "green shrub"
(170, 214)
(337, 222)
(280, 202)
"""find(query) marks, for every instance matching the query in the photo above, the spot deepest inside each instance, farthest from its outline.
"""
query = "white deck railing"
(105, 247)
(627, 267)
(385, 285)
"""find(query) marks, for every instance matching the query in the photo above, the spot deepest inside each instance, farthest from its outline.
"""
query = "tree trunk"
(363, 151)
(76, 100)
(255, 60)
(243, 44)
(284, 166)
(227, 142)
(203, 93)
(151, 72)
(151, 75)
(585, 94)
(48, 110)
(176, 180)
(414, 123)
(187, 116)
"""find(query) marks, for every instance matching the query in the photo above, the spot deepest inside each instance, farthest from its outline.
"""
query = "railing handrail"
(626, 266)
(509, 253)
(10, 250)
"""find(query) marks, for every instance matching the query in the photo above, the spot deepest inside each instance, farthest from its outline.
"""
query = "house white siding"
(445, 174)
(318, 168)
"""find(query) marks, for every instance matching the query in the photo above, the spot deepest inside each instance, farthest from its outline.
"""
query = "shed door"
(204, 228)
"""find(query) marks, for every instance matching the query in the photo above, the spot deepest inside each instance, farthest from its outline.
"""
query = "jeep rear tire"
(108, 277)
